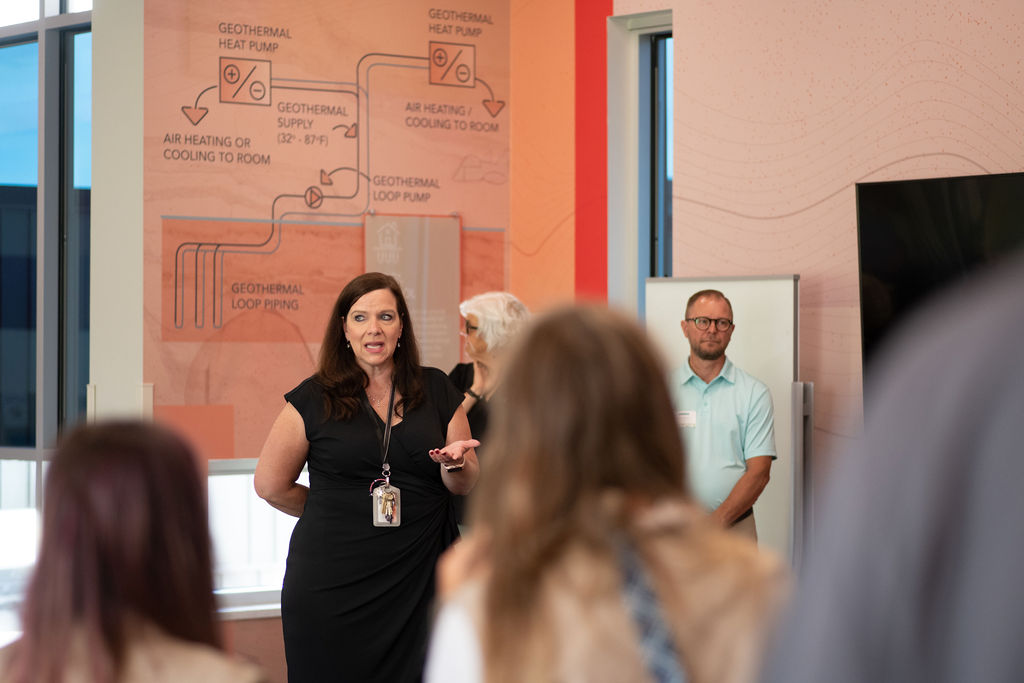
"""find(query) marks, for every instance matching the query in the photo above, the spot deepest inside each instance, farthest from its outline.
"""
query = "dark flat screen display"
(917, 237)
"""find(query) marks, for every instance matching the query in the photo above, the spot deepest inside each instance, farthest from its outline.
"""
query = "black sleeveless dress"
(356, 601)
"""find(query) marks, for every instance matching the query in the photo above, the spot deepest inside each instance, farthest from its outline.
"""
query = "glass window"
(654, 165)
(75, 246)
(250, 538)
(19, 171)
(18, 11)
(81, 79)
(78, 5)
(661, 156)
(19, 529)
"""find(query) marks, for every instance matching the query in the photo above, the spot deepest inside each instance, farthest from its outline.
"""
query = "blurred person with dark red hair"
(123, 587)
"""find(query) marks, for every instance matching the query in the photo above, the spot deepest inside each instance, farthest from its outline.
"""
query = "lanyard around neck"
(383, 441)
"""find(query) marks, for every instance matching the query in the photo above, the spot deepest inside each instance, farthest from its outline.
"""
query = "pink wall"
(782, 107)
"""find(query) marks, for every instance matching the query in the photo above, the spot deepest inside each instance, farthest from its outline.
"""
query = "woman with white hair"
(490, 322)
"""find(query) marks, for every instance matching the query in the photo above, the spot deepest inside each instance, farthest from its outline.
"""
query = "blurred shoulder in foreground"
(913, 570)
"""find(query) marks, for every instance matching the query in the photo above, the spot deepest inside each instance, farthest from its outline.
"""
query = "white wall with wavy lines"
(782, 107)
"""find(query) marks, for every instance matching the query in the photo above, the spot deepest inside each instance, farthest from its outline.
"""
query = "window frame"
(629, 155)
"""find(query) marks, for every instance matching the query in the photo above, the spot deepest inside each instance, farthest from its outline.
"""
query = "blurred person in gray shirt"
(913, 572)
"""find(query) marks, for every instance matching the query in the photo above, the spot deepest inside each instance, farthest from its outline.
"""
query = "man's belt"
(748, 513)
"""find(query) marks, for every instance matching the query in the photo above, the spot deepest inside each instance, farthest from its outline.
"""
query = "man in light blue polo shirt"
(724, 415)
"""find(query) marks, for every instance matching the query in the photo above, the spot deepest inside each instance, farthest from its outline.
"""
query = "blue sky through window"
(19, 115)
(82, 178)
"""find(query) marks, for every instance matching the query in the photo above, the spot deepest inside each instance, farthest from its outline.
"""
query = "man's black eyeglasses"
(470, 329)
(702, 323)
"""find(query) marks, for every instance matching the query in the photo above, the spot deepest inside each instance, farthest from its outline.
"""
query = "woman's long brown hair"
(585, 416)
(125, 540)
(338, 372)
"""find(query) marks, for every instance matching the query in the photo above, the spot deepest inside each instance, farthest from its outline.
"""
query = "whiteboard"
(764, 344)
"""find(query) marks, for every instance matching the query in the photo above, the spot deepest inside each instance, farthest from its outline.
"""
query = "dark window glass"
(77, 175)
(19, 140)
(661, 155)
(654, 220)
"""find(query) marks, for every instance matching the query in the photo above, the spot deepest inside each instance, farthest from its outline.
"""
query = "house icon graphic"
(388, 250)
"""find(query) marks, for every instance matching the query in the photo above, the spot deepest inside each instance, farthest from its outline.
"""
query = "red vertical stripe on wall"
(592, 148)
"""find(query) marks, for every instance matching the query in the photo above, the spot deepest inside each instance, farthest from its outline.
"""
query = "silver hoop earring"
(348, 345)
(399, 343)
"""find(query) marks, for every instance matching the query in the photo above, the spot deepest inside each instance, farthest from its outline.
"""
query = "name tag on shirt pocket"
(686, 418)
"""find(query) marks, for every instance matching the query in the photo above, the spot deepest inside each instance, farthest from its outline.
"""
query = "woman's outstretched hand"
(453, 454)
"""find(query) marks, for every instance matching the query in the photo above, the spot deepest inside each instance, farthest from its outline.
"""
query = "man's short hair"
(711, 294)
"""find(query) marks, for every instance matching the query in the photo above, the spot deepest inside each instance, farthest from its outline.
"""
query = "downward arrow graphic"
(195, 114)
(494, 106)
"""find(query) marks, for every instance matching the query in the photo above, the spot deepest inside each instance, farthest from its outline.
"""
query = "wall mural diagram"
(249, 82)
(262, 173)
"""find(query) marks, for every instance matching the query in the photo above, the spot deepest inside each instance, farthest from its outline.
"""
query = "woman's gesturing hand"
(453, 455)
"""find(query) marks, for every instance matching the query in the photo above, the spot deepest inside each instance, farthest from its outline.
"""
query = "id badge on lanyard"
(386, 499)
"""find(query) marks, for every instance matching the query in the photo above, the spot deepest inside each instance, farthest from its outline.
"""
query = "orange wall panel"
(541, 164)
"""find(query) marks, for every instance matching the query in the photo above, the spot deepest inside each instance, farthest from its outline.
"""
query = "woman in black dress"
(359, 583)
